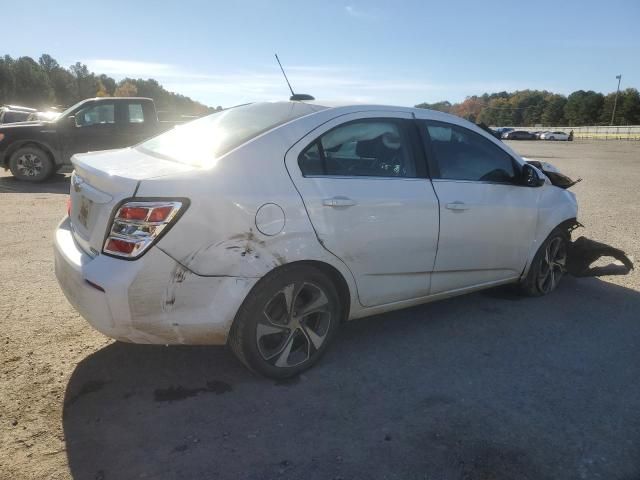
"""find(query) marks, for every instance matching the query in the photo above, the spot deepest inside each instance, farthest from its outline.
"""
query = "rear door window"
(135, 113)
(362, 148)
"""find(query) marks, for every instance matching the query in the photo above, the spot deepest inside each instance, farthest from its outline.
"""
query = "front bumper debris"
(583, 252)
(553, 174)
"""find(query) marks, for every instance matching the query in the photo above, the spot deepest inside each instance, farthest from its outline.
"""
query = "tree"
(444, 106)
(584, 108)
(533, 107)
(498, 112)
(553, 111)
(108, 83)
(528, 106)
(65, 87)
(86, 81)
(32, 85)
(126, 89)
(102, 91)
(45, 83)
(469, 109)
(48, 63)
(7, 80)
(627, 108)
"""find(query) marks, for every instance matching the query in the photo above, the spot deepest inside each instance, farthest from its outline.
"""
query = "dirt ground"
(486, 386)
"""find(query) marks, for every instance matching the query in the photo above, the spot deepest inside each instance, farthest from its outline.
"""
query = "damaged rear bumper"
(150, 300)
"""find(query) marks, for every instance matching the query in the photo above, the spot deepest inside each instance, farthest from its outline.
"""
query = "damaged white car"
(267, 225)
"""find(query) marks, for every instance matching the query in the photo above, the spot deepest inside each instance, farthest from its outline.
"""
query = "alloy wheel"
(294, 324)
(29, 165)
(552, 265)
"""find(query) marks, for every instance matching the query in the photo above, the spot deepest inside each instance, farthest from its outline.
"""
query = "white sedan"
(267, 225)
(554, 136)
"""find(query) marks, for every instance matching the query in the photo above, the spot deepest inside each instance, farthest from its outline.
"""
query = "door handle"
(338, 202)
(457, 206)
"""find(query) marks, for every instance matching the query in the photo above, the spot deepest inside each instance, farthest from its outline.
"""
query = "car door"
(133, 122)
(487, 218)
(363, 182)
(94, 129)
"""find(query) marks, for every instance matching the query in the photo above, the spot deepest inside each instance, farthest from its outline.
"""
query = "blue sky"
(392, 52)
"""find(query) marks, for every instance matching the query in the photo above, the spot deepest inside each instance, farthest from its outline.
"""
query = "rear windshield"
(12, 116)
(200, 142)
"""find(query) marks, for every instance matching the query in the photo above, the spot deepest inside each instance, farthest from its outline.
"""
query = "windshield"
(68, 111)
(201, 142)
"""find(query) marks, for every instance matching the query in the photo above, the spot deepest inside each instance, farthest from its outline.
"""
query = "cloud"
(265, 83)
(128, 68)
(356, 12)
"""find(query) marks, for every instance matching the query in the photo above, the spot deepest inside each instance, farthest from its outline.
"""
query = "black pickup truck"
(35, 150)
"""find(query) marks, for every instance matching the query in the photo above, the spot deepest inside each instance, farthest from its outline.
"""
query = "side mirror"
(530, 177)
(71, 121)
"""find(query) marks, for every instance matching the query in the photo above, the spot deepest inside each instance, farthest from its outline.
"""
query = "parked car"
(502, 130)
(269, 224)
(35, 150)
(489, 130)
(554, 136)
(518, 135)
(15, 113)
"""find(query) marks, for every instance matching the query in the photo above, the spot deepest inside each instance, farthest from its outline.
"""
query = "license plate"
(85, 211)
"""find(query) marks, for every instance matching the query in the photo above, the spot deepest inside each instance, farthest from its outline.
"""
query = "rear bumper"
(150, 300)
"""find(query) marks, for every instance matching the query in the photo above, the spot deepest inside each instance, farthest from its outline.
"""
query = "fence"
(607, 133)
(631, 132)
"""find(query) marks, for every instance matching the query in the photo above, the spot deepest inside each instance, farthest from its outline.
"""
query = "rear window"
(12, 116)
(200, 142)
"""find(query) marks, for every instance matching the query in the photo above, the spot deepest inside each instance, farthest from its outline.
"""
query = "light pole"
(615, 102)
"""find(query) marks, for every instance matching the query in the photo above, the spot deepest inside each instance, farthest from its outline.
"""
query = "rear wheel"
(31, 164)
(286, 322)
(548, 266)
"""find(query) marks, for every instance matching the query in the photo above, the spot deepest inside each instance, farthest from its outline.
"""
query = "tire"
(551, 138)
(548, 266)
(271, 335)
(31, 164)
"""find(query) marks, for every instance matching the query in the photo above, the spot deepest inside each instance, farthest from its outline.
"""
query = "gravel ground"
(486, 386)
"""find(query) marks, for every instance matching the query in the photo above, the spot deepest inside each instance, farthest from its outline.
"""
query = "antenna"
(285, 75)
(294, 96)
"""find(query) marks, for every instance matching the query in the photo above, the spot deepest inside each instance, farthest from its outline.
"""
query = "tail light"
(137, 225)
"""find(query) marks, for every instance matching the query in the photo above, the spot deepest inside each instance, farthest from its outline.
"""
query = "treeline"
(45, 84)
(533, 107)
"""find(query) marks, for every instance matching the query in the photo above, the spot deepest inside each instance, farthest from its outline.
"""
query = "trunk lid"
(100, 181)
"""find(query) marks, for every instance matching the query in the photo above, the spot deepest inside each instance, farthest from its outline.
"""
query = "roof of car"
(418, 113)
(18, 108)
(104, 99)
(349, 107)
(360, 106)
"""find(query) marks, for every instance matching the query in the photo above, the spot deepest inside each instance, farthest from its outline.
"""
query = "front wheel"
(31, 164)
(548, 266)
(286, 322)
